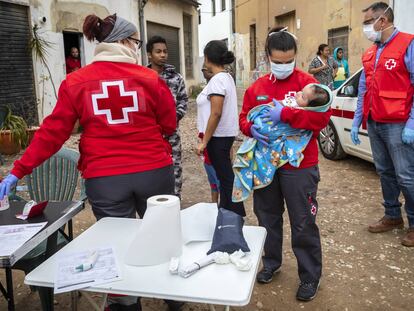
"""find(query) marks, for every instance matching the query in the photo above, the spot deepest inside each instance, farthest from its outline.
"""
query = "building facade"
(334, 22)
(215, 22)
(29, 85)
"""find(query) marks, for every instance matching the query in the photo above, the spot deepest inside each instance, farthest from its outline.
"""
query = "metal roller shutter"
(16, 65)
(170, 34)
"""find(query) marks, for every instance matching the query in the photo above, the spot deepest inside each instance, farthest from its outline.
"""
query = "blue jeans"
(394, 162)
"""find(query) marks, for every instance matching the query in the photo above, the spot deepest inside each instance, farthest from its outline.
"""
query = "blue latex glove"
(7, 184)
(408, 136)
(274, 114)
(354, 135)
(260, 137)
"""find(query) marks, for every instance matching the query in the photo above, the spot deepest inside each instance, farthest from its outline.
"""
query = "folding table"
(214, 284)
(56, 214)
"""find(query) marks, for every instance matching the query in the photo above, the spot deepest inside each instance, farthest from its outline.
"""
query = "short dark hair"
(381, 6)
(321, 99)
(280, 41)
(218, 53)
(321, 47)
(153, 40)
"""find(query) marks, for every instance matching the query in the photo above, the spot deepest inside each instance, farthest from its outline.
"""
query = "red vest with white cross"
(389, 92)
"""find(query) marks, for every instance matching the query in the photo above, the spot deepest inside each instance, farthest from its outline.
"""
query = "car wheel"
(329, 143)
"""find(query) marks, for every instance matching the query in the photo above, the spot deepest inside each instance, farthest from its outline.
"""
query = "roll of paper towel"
(159, 236)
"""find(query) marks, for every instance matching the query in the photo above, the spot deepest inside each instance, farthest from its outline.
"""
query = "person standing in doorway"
(73, 60)
(343, 69)
(385, 102)
(294, 186)
(158, 56)
(323, 67)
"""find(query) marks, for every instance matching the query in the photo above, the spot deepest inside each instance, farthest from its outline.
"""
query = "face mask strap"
(382, 15)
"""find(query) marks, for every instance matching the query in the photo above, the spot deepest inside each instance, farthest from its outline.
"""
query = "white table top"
(214, 284)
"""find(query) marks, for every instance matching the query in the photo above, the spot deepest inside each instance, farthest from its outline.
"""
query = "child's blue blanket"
(255, 164)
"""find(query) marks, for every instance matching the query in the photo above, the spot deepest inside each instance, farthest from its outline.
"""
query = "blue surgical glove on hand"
(408, 136)
(354, 135)
(7, 184)
(260, 137)
(274, 114)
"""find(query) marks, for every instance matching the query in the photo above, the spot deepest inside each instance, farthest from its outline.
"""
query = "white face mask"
(371, 33)
(282, 71)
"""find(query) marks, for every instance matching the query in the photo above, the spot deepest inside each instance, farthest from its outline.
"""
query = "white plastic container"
(4, 204)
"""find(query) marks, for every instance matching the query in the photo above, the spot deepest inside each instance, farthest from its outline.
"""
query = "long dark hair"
(218, 53)
(321, 48)
(96, 28)
(280, 40)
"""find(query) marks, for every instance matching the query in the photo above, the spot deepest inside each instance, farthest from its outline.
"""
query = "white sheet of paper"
(12, 237)
(105, 270)
(198, 222)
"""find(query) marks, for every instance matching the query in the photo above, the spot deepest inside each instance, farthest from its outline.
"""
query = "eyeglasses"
(136, 41)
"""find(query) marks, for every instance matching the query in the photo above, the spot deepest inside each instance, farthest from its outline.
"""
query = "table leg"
(212, 308)
(46, 293)
(70, 230)
(46, 298)
(10, 295)
(75, 297)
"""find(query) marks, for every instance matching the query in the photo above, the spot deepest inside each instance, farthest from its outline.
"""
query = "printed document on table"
(12, 237)
(105, 270)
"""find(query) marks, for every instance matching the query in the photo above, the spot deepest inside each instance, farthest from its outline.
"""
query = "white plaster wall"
(403, 10)
(216, 27)
(127, 9)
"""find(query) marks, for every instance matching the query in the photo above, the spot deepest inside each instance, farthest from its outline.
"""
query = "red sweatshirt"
(124, 110)
(72, 64)
(265, 89)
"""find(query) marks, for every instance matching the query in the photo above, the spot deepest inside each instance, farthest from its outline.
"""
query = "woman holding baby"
(295, 186)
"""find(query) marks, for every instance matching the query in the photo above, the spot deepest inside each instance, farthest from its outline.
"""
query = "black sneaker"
(266, 275)
(307, 290)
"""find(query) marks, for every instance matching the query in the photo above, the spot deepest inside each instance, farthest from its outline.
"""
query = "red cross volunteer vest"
(389, 93)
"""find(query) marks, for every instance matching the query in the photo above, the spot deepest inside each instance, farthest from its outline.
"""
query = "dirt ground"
(362, 271)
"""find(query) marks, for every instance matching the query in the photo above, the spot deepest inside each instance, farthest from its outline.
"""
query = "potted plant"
(13, 133)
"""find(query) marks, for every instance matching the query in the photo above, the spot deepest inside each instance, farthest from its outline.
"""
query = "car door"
(348, 93)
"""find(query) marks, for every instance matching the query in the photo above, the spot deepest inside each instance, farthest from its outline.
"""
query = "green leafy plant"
(40, 46)
(17, 127)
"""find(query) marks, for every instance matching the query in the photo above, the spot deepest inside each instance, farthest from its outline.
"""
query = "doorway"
(74, 39)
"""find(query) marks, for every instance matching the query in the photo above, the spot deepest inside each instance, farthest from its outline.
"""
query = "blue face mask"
(282, 71)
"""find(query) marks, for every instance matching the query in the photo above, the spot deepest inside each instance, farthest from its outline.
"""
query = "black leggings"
(218, 149)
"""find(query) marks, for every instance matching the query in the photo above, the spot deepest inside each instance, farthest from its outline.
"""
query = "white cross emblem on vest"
(115, 105)
(390, 64)
(290, 94)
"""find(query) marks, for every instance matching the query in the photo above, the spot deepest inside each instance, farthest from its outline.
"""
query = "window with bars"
(188, 46)
(338, 37)
(223, 5)
(213, 7)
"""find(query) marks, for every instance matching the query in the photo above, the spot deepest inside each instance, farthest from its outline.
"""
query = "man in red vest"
(385, 102)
